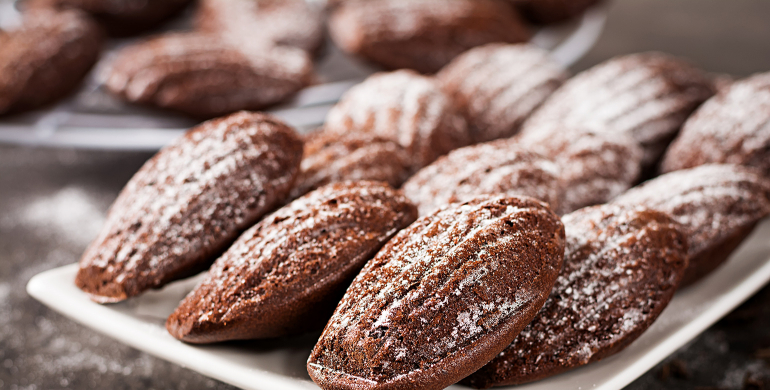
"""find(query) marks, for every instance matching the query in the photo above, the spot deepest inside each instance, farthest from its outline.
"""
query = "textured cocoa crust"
(118, 17)
(552, 11)
(331, 158)
(293, 23)
(497, 86)
(46, 58)
(202, 76)
(188, 203)
(733, 127)
(493, 168)
(594, 167)
(423, 35)
(286, 274)
(442, 298)
(646, 95)
(621, 268)
(405, 107)
(717, 205)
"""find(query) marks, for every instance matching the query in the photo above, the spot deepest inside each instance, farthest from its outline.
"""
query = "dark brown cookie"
(594, 167)
(497, 86)
(46, 58)
(118, 17)
(405, 107)
(333, 158)
(423, 35)
(553, 11)
(647, 95)
(493, 168)
(293, 23)
(718, 206)
(442, 298)
(286, 274)
(621, 268)
(189, 202)
(201, 76)
(732, 127)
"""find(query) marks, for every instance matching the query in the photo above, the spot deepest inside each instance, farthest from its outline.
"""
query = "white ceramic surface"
(280, 364)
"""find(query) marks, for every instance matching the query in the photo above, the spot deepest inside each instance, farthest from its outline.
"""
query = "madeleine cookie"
(732, 127)
(423, 35)
(331, 158)
(203, 77)
(188, 203)
(46, 58)
(494, 168)
(405, 107)
(717, 205)
(497, 86)
(647, 95)
(621, 268)
(442, 298)
(286, 274)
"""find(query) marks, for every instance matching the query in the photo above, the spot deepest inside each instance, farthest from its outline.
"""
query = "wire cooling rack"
(92, 119)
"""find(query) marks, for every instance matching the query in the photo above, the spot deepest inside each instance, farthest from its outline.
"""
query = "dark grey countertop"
(52, 203)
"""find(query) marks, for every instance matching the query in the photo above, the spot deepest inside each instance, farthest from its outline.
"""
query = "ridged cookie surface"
(717, 205)
(493, 168)
(497, 86)
(442, 298)
(189, 202)
(405, 107)
(732, 127)
(621, 268)
(286, 274)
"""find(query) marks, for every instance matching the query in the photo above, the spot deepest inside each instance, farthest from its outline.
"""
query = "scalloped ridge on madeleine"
(443, 297)
(286, 274)
(189, 202)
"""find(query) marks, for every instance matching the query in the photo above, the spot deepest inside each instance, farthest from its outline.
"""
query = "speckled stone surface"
(43, 193)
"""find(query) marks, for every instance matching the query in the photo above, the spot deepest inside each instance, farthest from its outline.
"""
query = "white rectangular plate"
(280, 364)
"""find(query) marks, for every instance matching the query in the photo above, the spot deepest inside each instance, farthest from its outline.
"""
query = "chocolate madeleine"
(442, 298)
(188, 203)
(423, 35)
(621, 268)
(733, 127)
(646, 95)
(494, 168)
(286, 274)
(497, 86)
(46, 58)
(594, 167)
(203, 76)
(717, 205)
(331, 158)
(405, 107)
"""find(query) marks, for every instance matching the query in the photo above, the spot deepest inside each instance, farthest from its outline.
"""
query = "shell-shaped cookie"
(293, 23)
(189, 202)
(442, 298)
(594, 167)
(201, 76)
(405, 107)
(46, 58)
(118, 17)
(331, 158)
(286, 274)
(732, 127)
(498, 86)
(423, 35)
(621, 269)
(717, 205)
(646, 95)
(494, 168)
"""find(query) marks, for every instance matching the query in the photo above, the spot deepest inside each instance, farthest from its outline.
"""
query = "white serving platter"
(280, 363)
